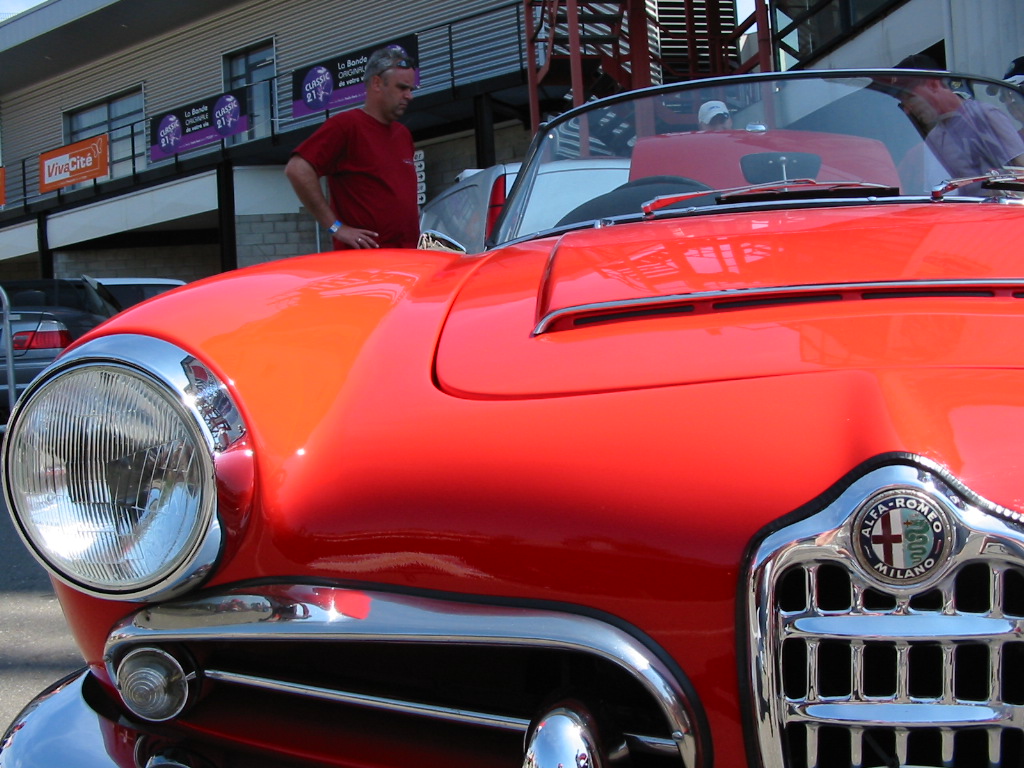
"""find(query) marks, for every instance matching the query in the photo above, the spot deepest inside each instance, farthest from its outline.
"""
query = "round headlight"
(110, 478)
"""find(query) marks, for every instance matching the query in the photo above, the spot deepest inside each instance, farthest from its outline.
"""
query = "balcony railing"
(468, 50)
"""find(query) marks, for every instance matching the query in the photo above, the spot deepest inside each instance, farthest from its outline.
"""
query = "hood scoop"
(755, 298)
(735, 296)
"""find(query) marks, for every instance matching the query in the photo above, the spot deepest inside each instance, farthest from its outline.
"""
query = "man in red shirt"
(367, 157)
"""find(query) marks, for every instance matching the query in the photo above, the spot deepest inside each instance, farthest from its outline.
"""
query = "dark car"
(718, 468)
(131, 290)
(45, 317)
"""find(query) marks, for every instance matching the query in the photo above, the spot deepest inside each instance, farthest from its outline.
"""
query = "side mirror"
(432, 240)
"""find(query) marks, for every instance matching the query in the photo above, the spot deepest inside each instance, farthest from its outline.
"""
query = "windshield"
(875, 133)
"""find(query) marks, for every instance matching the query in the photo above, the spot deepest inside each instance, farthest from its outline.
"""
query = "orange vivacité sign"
(81, 161)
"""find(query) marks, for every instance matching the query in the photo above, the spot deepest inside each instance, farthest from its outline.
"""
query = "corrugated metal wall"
(187, 64)
(688, 29)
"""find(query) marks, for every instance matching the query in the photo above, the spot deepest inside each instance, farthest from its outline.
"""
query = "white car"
(467, 211)
(132, 290)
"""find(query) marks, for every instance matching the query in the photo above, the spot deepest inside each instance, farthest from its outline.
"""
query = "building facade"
(128, 70)
(182, 196)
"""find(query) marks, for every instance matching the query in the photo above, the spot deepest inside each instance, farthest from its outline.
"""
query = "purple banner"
(338, 83)
(198, 124)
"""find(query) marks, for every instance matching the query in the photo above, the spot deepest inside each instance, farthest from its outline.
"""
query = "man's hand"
(354, 237)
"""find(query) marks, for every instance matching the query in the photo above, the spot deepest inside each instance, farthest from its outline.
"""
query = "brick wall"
(20, 268)
(185, 262)
(269, 237)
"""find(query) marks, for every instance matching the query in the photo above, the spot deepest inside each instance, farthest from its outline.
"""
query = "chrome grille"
(849, 670)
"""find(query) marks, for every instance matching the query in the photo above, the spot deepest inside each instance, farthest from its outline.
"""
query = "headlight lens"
(111, 479)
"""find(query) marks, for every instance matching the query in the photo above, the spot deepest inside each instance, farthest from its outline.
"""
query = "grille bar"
(901, 715)
(949, 628)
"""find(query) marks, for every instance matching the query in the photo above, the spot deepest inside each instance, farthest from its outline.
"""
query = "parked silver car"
(466, 211)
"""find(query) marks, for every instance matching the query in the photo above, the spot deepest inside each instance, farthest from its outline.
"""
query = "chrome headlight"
(109, 465)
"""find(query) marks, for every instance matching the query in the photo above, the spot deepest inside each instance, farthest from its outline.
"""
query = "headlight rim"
(162, 365)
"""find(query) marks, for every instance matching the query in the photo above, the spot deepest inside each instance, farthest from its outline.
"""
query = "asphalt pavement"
(36, 648)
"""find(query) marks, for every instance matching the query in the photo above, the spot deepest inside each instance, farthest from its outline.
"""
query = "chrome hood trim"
(702, 302)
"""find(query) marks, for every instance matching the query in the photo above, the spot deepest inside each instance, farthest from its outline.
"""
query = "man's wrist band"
(335, 227)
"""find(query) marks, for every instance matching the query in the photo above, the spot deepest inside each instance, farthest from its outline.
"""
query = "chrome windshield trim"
(312, 613)
(654, 303)
(755, 78)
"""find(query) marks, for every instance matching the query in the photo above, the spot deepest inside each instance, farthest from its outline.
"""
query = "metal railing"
(451, 55)
(7, 348)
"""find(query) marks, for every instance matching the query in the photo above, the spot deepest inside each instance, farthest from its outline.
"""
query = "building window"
(123, 120)
(253, 71)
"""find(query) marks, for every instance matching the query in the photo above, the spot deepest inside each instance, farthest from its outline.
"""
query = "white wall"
(981, 36)
(177, 199)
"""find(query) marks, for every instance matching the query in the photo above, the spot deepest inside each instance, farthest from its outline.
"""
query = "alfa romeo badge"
(902, 536)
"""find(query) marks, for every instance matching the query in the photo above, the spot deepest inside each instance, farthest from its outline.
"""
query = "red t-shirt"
(370, 175)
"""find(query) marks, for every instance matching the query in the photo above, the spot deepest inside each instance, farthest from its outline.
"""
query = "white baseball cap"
(710, 110)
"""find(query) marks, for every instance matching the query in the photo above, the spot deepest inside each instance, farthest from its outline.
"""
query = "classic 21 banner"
(338, 83)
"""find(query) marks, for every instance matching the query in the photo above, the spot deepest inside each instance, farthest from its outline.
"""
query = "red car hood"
(586, 312)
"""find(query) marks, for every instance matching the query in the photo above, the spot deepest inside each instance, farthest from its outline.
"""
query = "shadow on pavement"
(35, 645)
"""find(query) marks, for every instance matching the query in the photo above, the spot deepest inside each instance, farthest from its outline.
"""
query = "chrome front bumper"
(246, 636)
(60, 728)
(67, 726)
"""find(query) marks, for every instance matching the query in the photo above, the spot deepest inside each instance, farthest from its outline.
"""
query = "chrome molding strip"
(797, 292)
(649, 744)
(976, 535)
(308, 613)
(515, 724)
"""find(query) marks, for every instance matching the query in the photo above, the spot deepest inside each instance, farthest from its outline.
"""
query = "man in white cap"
(714, 116)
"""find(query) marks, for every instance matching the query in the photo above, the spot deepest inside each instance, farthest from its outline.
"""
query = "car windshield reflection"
(800, 135)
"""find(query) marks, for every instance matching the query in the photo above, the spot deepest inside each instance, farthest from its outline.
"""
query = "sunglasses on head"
(404, 62)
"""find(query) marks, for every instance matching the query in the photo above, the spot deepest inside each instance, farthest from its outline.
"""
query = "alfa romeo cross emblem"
(902, 536)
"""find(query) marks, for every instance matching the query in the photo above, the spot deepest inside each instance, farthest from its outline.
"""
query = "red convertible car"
(715, 469)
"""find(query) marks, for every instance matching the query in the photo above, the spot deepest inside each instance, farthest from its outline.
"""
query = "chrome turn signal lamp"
(564, 737)
(155, 685)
